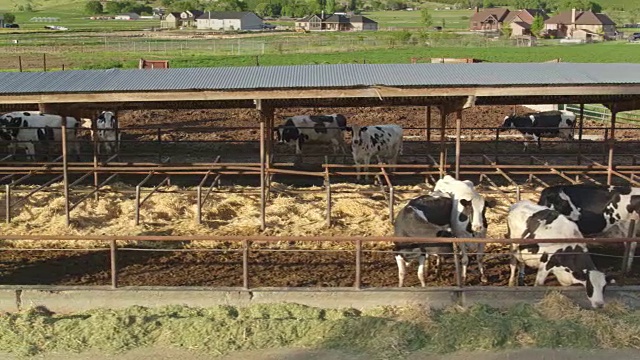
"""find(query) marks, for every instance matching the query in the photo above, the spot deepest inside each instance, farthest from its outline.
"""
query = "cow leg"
(521, 274)
(423, 266)
(30, 150)
(513, 263)
(438, 267)
(402, 270)
(480, 259)
(538, 140)
(357, 169)
(542, 274)
(367, 161)
(464, 261)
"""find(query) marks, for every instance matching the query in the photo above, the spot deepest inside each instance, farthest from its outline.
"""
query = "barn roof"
(319, 76)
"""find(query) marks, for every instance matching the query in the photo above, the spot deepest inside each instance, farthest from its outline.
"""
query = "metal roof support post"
(266, 112)
(94, 141)
(427, 134)
(65, 169)
(612, 141)
(443, 121)
(580, 127)
(458, 130)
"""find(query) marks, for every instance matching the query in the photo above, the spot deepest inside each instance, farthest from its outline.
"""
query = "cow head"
(356, 139)
(9, 127)
(507, 123)
(595, 284)
(286, 132)
(106, 121)
(474, 213)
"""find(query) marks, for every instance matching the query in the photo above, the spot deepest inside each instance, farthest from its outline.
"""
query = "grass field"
(605, 53)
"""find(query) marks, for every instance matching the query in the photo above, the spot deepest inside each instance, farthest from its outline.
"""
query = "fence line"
(601, 113)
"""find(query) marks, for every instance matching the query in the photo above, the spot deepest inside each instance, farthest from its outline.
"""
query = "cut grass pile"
(224, 213)
(382, 333)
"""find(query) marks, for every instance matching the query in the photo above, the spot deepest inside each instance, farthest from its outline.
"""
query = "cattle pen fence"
(247, 246)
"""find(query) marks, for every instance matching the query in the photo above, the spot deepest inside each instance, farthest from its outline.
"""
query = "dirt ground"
(184, 139)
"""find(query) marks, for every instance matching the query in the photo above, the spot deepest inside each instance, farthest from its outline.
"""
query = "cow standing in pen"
(378, 141)
(302, 129)
(108, 137)
(26, 128)
(604, 211)
(468, 218)
(552, 124)
(571, 263)
(424, 216)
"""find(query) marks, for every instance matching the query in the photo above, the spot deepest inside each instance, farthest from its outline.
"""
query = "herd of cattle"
(456, 209)
(453, 209)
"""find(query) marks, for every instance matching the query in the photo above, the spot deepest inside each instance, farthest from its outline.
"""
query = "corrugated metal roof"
(319, 76)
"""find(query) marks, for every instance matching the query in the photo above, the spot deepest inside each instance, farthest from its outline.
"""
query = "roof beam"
(380, 92)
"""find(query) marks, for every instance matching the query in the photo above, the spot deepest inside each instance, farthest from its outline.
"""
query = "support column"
(65, 170)
(266, 113)
(443, 160)
(427, 132)
(94, 141)
(580, 127)
(458, 131)
(612, 141)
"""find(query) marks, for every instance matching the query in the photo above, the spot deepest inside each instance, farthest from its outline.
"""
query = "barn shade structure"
(450, 87)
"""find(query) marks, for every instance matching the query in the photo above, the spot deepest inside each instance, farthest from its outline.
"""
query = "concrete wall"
(74, 299)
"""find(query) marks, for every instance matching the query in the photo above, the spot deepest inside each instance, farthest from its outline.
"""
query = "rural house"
(171, 21)
(488, 19)
(229, 20)
(189, 17)
(128, 16)
(336, 22)
(585, 25)
(520, 21)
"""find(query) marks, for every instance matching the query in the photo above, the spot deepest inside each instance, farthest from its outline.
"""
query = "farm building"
(566, 23)
(229, 20)
(188, 17)
(128, 16)
(494, 19)
(336, 22)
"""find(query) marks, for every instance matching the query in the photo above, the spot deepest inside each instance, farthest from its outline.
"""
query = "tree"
(263, 10)
(114, 7)
(93, 7)
(581, 5)
(353, 5)
(9, 18)
(537, 25)
(425, 17)
(487, 4)
(330, 7)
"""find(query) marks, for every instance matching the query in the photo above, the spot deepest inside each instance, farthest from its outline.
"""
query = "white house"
(229, 20)
(128, 16)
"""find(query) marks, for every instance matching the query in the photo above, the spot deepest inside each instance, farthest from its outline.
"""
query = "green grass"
(382, 333)
(605, 53)
(411, 19)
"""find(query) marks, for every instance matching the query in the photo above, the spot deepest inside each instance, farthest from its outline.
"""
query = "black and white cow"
(24, 128)
(313, 128)
(424, 216)
(468, 218)
(381, 141)
(571, 263)
(604, 211)
(560, 124)
(106, 123)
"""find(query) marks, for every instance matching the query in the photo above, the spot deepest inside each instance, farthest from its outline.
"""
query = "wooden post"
(94, 140)
(427, 132)
(629, 249)
(65, 170)
(443, 121)
(458, 131)
(612, 141)
(7, 203)
(327, 184)
(245, 264)
(114, 265)
(580, 127)
(20, 63)
(265, 114)
(358, 282)
(44, 62)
